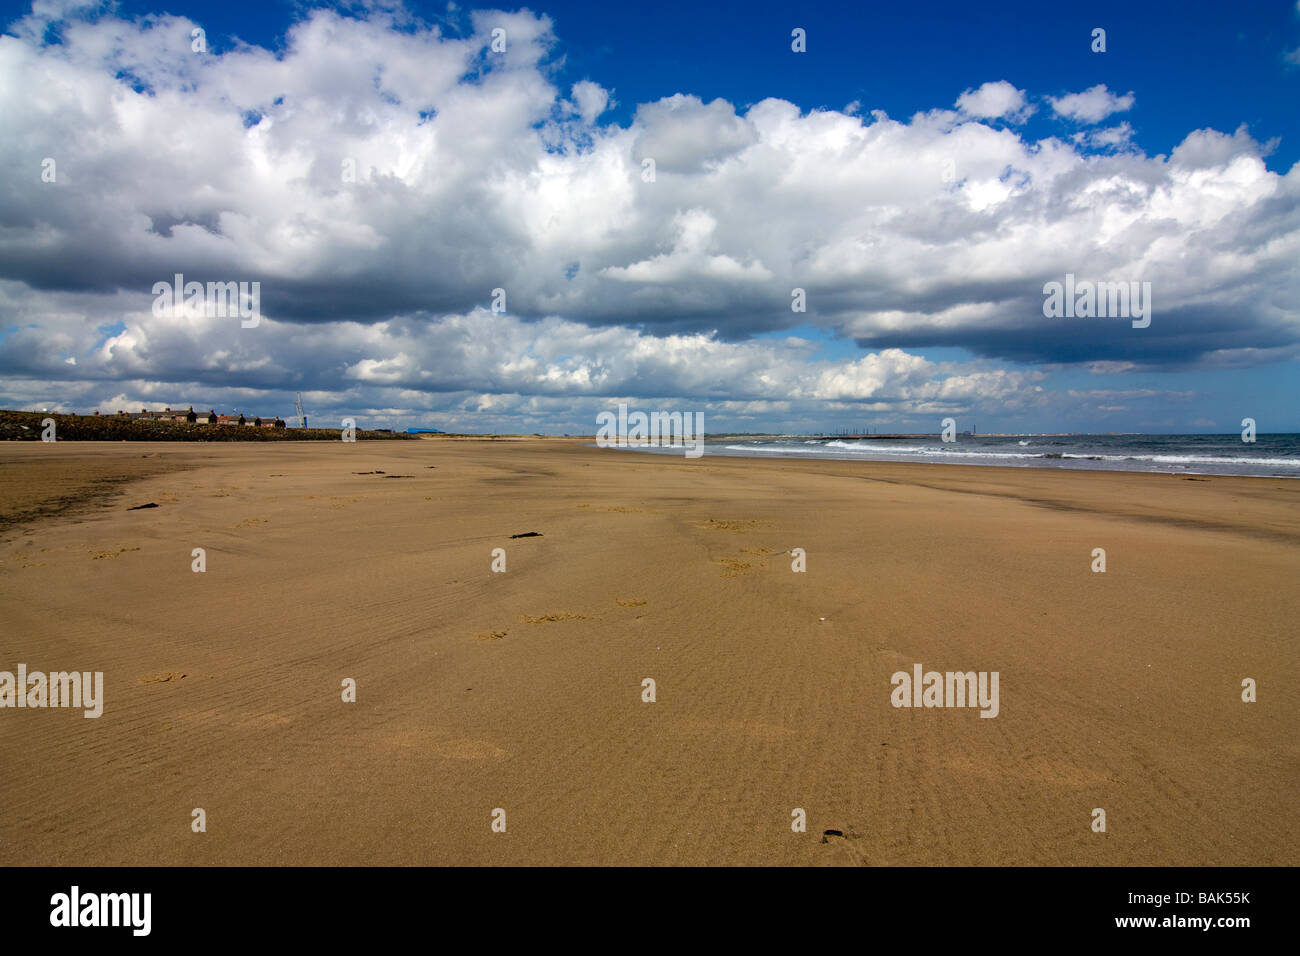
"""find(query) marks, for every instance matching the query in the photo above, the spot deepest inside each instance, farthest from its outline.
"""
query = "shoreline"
(786, 455)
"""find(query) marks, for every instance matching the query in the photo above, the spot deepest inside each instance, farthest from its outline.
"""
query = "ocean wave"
(866, 446)
(876, 450)
(1213, 460)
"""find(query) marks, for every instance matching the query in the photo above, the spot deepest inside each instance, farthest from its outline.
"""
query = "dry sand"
(523, 690)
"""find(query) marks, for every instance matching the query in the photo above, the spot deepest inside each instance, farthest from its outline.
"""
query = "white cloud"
(690, 257)
(1209, 149)
(996, 100)
(591, 100)
(681, 133)
(1110, 137)
(1092, 105)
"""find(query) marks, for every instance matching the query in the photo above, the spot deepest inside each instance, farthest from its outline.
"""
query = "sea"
(1273, 455)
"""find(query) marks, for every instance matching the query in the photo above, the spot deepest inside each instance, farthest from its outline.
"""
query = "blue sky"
(1169, 158)
(1194, 63)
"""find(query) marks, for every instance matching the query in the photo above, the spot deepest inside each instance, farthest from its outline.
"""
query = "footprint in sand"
(733, 567)
(839, 846)
(160, 678)
(739, 526)
(99, 555)
(489, 635)
(549, 618)
(737, 567)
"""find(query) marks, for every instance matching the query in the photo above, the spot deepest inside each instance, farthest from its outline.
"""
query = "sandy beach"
(523, 690)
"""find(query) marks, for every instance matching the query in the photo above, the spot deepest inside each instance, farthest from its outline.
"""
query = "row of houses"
(200, 418)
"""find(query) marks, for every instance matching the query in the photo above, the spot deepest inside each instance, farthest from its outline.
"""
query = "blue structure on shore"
(424, 431)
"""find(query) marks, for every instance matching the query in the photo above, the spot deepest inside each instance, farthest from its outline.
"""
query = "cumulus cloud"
(996, 100)
(480, 361)
(683, 134)
(591, 100)
(690, 257)
(380, 179)
(1092, 105)
(1110, 137)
